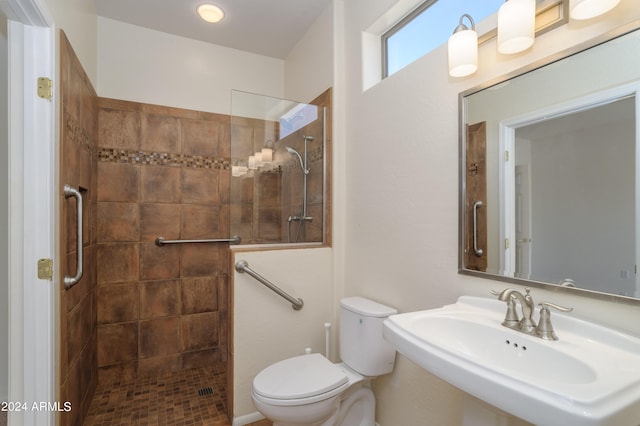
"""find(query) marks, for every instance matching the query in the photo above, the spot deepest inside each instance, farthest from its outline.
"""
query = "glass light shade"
(210, 13)
(587, 9)
(258, 157)
(516, 26)
(238, 170)
(252, 163)
(267, 155)
(463, 53)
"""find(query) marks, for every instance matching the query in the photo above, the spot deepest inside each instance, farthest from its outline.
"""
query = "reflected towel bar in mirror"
(160, 241)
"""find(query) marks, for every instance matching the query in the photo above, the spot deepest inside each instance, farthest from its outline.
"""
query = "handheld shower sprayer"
(303, 163)
(294, 152)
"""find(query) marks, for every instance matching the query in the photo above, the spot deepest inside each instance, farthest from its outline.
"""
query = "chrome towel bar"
(70, 281)
(243, 266)
(160, 241)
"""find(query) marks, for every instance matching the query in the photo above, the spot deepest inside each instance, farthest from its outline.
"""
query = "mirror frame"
(582, 47)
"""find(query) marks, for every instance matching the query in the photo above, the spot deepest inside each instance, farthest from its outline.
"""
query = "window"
(427, 27)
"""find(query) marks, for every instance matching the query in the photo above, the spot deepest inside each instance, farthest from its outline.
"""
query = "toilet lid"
(299, 377)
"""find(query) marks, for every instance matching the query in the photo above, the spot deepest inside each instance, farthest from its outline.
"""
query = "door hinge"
(45, 269)
(45, 88)
(506, 244)
(506, 156)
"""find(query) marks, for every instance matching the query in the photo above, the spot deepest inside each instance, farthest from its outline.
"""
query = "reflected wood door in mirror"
(476, 197)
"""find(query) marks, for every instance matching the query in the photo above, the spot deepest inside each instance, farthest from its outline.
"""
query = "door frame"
(33, 322)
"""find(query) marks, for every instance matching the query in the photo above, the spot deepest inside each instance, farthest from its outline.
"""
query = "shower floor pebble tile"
(171, 400)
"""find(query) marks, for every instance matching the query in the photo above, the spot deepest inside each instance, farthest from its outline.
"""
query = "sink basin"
(590, 376)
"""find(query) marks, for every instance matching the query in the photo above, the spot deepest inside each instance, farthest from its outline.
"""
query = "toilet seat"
(299, 380)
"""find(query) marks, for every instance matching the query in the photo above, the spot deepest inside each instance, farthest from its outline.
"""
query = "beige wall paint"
(265, 327)
(148, 66)
(401, 180)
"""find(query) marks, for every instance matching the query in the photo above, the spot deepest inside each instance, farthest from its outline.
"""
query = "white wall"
(4, 213)
(402, 197)
(309, 66)
(142, 65)
(265, 327)
(78, 20)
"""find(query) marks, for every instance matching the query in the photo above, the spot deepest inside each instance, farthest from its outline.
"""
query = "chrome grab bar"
(476, 250)
(160, 241)
(243, 266)
(70, 281)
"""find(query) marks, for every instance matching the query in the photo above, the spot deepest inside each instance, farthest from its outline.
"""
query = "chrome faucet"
(526, 324)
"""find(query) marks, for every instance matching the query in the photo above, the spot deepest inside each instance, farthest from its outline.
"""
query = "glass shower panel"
(277, 170)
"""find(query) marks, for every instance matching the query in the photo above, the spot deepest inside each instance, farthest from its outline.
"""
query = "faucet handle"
(544, 330)
(544, 305)
(501, 294)
(511, 319)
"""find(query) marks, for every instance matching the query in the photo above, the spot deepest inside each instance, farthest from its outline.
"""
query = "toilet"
(310, 390)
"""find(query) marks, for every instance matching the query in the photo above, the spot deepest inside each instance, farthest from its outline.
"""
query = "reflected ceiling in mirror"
(549, 175)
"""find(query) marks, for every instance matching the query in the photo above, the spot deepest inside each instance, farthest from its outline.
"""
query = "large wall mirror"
(550, 174)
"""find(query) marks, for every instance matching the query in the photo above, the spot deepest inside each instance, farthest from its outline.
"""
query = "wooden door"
(475, 228)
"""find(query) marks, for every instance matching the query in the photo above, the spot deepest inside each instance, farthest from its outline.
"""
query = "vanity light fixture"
(252, 163)
(258, 158)
(267, 155)
(210, 13)
(587, 9)
(238, 171)
(463, 49)
(516, 25)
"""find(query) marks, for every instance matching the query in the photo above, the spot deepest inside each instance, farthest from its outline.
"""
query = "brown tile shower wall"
(161, 172)
(78, 370)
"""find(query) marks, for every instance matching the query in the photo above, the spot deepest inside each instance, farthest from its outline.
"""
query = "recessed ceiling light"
(210, 13)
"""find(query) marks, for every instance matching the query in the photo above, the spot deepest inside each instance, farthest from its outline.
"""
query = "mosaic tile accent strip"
(171, 400)
(162, 159)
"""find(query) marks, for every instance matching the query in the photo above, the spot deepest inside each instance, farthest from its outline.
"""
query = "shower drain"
(206, 391)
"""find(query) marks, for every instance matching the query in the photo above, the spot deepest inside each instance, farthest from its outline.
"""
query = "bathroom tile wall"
(161, 172)
(78, 337)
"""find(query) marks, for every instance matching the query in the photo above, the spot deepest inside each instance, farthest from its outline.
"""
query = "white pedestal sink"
(590, 376)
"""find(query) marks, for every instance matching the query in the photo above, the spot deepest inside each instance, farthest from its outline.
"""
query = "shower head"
(308, 138)
(294, 152)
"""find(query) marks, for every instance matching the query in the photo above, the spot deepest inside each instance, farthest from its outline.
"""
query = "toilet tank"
(361, 344)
